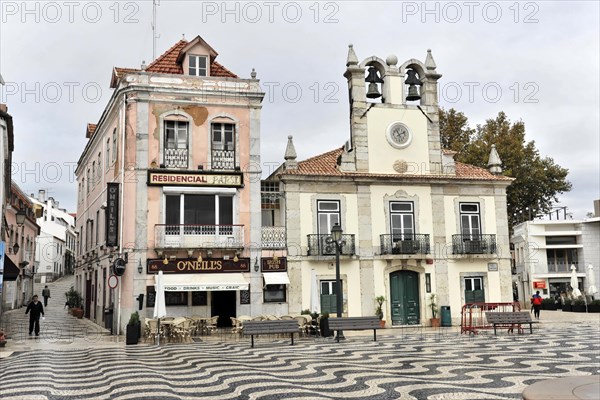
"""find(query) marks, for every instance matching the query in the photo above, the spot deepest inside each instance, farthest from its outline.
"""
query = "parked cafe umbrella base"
(160, 308)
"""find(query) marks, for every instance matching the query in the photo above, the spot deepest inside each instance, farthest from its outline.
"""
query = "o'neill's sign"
(192, 178)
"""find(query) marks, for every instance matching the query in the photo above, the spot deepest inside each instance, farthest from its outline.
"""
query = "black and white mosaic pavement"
(416, 365)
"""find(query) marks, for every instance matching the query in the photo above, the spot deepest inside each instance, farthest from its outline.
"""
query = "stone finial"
(494, 162)
(253, 74)
(429, 61)
(352, 59)
(391, 60)
(144, 66)
(290, 154)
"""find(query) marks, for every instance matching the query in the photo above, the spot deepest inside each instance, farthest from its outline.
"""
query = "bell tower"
(394, 123)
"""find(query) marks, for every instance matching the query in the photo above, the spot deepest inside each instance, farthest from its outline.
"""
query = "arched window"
(175, 139)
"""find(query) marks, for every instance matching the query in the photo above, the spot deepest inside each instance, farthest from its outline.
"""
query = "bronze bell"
(373, 79)
(413, 82)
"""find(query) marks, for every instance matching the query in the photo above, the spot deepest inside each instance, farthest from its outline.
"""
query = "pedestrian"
(46, 295)
(36, 309)
(536, 302)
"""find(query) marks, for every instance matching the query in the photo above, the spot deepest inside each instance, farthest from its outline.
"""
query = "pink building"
(170, 180)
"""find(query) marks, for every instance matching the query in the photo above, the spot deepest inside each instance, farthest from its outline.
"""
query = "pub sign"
(112, 214)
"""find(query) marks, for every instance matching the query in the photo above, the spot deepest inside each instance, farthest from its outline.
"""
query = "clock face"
(399, 135)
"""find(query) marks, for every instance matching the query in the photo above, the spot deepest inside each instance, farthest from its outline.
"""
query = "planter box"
(132, 334)
(325, 331)
(566, 307)
(551, 307)
(435, 322)
(594, 308)
(578, 308)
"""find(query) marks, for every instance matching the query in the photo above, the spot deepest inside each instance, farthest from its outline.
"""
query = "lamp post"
(336, 237)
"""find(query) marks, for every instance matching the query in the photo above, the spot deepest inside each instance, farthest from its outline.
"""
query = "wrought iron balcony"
(176, 158)
(323, 245)
(414, 243)
(273, 237)
(223, 159)
(198, 236)
(473, 244)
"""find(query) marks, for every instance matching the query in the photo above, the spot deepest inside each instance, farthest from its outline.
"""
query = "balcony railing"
(473, 244)
(561, 266)
(199, 236)
(273, 237)
(223, 159)
(414, 243)
(322, 245)
(176, 158)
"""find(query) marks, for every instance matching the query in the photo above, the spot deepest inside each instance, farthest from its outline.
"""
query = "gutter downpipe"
(122, 120)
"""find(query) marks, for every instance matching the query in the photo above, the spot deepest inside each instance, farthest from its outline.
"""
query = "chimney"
(596, 208)
(42, 195)
(3, 108)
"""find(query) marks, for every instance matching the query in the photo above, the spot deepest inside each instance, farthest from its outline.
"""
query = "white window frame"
(329, 214)
(472, 216)
(401, 231)
(197, 70)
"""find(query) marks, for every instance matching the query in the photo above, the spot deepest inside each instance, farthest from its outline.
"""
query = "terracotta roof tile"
(326, 165)
(89, 130)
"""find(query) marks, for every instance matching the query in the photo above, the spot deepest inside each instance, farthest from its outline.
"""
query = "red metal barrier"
(473, 315)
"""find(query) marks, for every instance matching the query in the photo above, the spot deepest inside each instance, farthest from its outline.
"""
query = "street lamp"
(20, 217)
(336, 237)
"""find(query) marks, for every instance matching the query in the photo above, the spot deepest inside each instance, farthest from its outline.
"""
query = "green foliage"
(379, 309)
(595, 302)
(538, 180)
(433, 305)
(548, 301)
(579, 301)
(567, 301)
(305, 312)
(134, 319)
(74, 298)
(324, 315)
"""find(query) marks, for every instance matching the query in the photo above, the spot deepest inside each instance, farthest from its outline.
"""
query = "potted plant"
(75, 302)
(594, 306)
(2, 339)
(133, 329)
(567, 305)
(435, 321)
(578, 305)
(548, 304)
(379, 309)
(324, 325)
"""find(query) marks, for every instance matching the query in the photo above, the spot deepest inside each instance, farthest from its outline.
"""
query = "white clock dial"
(398, 135)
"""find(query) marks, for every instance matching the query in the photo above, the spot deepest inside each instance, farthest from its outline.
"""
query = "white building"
(415, 222)
(545, 249)
(55, 247)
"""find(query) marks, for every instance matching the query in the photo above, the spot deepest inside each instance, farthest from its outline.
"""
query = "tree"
(538, 181)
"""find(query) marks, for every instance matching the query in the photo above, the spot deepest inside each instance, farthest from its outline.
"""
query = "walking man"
(536, 302)
(36, 309)
(46, 295)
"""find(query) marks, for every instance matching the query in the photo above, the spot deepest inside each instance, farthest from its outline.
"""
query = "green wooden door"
(404, 288)
(474, 291)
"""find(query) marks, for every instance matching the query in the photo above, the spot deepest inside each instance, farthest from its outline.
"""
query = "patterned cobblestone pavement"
(75, 359)
(408, 364)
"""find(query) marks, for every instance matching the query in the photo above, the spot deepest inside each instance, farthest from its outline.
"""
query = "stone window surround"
(469, 199)
(178, 115)
(484, 278)
(223, 118)
(329, 197)
(399, 196)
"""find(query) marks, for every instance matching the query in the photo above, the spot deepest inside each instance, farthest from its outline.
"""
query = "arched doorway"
(404, 296)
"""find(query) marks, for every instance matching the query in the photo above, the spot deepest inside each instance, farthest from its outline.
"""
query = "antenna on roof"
(155, 3)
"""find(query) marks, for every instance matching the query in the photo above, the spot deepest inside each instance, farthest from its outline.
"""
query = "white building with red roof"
(414, 221)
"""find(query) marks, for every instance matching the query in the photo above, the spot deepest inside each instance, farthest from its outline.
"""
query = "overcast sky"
(537, 61)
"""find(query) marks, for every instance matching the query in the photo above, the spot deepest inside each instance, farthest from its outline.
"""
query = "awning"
(276, 278)
(204, 282)
(11, 271)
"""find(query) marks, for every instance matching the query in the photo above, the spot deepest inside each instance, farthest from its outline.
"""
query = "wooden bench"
(270, 327)
(355, 324)
(510, 319)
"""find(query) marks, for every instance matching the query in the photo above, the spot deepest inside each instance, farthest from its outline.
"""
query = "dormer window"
(197, 65)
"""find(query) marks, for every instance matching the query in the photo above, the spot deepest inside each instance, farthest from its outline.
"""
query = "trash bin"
(446, 316)
(108, 319)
